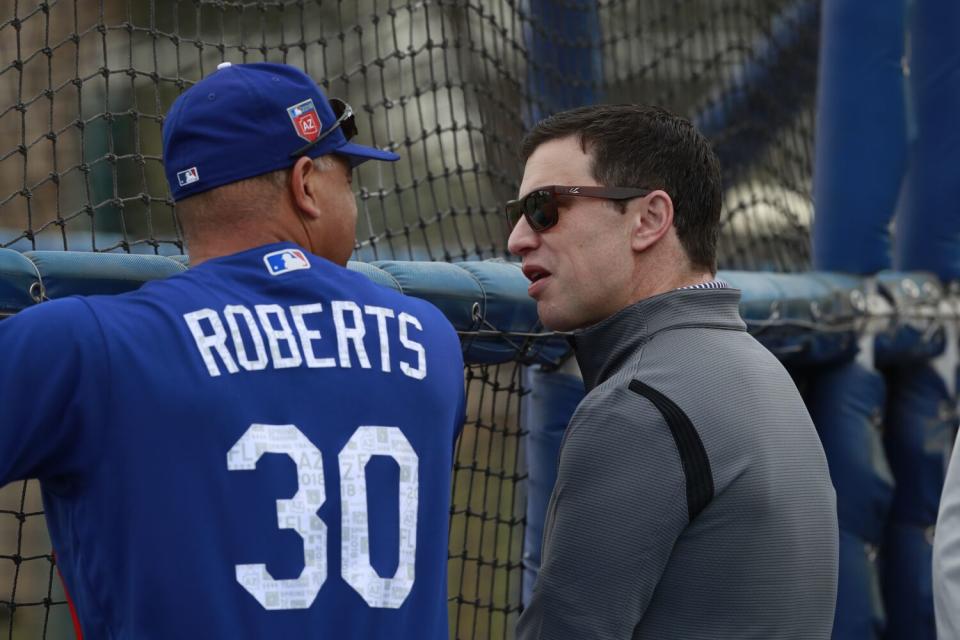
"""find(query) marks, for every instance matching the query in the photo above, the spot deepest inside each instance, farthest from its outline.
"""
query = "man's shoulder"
(58, 332)
(54, 319)
(613, 404)
(619, 431)
(173, 292)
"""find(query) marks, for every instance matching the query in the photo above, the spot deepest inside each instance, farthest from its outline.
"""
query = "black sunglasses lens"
(349, 127)
(538, 207)
(514, 210)
(349, 124)
(540, 210)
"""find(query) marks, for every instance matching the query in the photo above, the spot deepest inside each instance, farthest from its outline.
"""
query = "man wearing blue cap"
(260, 446)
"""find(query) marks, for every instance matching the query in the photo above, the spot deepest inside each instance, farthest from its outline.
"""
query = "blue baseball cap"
(245, 120)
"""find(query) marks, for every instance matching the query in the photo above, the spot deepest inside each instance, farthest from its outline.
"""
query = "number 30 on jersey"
(300, 514)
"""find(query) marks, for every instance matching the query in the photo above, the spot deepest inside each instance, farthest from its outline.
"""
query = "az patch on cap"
(305, 120)
(285, 260)
(188, 176)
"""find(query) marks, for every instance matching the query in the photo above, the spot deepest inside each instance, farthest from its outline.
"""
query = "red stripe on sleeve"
(73, 610)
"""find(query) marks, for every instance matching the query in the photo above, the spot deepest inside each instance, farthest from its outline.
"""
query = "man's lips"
(536, 288)
(538, 277)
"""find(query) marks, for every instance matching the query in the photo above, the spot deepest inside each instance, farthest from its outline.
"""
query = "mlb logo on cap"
(285, 260)
(188, 176)
(305, 120)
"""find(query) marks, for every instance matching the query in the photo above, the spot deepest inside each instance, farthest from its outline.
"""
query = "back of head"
(647, 147)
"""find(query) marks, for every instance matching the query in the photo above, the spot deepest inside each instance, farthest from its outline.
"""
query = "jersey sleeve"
(461, 416)
(444, 337)
(946, 553)
(459, 387)
(615, 513)
(47, 380)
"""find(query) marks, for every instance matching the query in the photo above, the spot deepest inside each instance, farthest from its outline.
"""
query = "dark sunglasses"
(541, 209)
(345, 121)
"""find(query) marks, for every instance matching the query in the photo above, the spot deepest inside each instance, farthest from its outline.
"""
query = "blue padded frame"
(804, 319)
(915, 333)
(67, 273)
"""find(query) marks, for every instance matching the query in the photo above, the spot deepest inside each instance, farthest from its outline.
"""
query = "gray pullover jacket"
(693, 499)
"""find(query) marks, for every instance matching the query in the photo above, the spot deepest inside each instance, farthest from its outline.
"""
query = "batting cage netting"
(451, 85)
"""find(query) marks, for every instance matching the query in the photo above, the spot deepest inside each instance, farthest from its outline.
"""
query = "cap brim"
(357, 153)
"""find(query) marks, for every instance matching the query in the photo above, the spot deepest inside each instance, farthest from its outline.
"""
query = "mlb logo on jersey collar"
(305, 120)
(285, 260)
(188, 176)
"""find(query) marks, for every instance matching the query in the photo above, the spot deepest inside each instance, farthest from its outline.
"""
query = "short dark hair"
(643, 146)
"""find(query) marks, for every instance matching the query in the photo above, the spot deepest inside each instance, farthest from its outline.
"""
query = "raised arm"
(45, 372)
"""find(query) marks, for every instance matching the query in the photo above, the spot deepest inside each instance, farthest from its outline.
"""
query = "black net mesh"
(449, 84)
(35, 606)
(486, 524)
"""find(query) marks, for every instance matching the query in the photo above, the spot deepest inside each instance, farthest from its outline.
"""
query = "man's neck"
(203, 247)
(201, 252)
(655, 284)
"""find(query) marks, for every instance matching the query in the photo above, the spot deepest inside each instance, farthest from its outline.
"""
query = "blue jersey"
(258, 447)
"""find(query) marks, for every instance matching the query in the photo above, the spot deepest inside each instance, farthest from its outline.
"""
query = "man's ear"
(303, 188)
(653, 217)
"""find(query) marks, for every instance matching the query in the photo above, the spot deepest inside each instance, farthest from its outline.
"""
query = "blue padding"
(452, 289)
(917, 333)
(509, 308)
(182, 259)
(846, 403)
(802, 319)
(505, 289)
(860, 136)
(19, 282)
(907, 561)
(928, 225)
(484, 301)
(545, 413)
(920, 426)
(379, 276)
(67, 273)
(859, 614)
(910, 289)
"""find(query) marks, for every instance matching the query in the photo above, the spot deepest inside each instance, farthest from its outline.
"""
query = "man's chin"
(551, 319)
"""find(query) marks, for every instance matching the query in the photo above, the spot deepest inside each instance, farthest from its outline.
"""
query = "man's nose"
(522, 239)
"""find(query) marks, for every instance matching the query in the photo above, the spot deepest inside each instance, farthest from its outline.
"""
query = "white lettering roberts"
(270, 336)
(208, 343)
(306, 335)
(346, 335)
(420, 371)
(277, 335)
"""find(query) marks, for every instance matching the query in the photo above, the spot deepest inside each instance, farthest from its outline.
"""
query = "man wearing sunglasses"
(261, 446)
(693, 499)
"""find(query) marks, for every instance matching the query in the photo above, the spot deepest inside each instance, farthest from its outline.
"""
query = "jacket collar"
(603, 348)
